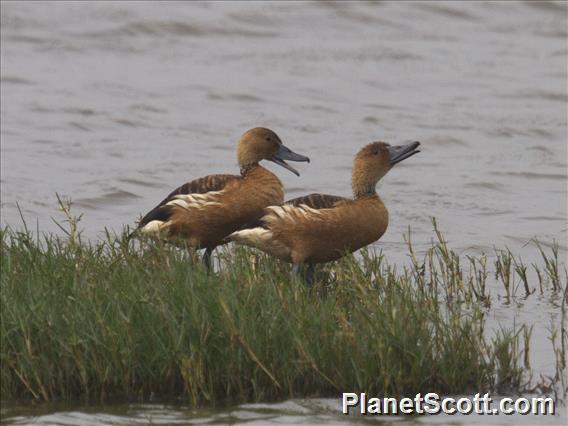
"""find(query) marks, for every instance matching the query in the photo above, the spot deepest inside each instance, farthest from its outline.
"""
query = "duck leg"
(296, 269)
(307, 273)
(207, 258)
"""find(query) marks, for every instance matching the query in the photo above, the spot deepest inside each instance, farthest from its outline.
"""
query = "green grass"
(108, 319)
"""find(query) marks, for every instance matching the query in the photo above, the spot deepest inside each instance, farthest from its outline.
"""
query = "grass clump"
(105, 319)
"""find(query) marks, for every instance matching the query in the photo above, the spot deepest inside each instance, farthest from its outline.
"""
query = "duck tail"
(260, 238)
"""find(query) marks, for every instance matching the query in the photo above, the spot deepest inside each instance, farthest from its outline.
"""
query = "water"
(294, 412)
(114, 104)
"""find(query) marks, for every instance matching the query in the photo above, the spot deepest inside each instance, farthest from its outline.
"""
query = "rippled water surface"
(293, 412)
(114, 104)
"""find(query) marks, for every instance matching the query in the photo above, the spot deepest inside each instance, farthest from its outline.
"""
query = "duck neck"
(364, 190)
(248, 168)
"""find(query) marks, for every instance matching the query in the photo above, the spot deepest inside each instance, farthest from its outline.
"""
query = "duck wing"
(316, 201)
(313, 201)
(196, 191)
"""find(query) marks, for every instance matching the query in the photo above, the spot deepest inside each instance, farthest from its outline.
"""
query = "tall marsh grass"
(119, 319)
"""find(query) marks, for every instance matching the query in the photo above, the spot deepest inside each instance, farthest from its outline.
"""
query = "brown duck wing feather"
(316, 201)
(203, 185)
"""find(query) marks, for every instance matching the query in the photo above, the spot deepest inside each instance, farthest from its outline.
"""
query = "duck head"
(374, 160)
(263, 144)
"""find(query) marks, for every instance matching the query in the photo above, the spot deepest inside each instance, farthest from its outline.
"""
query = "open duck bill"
(287, 154)
(402, 152)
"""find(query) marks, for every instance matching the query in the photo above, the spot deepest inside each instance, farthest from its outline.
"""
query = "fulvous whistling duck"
(319, 228)
(202, 213)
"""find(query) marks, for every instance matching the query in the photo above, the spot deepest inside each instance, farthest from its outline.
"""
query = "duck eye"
(268, 138)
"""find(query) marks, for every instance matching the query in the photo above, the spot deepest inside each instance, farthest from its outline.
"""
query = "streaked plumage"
(211, 183)
(203, 212)
(320, 228)
(317, 201)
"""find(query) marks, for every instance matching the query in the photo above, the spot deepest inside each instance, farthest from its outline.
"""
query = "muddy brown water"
(112, 105)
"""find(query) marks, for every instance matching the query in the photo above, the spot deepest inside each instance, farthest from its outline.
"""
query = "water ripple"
(448, 11)
(16, 80)
(109, 198)
(532, 175)
(493, 186)
(535, 94)
(176, 28)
